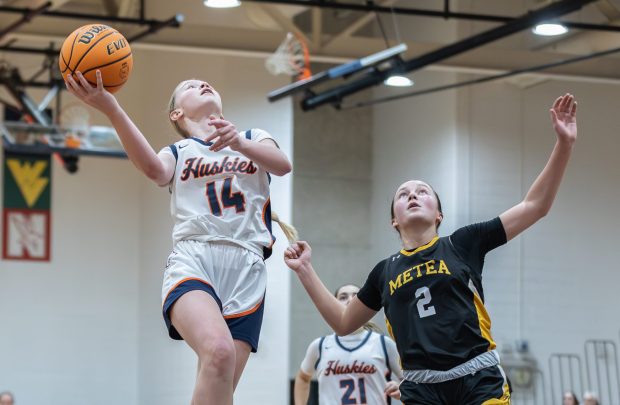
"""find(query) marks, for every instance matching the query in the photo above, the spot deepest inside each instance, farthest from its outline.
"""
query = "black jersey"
(433, 299)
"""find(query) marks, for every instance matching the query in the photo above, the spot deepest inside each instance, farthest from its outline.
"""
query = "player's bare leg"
(242, 350)
(198, 319)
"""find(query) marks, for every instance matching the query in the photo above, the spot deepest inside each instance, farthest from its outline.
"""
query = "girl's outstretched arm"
(541, 194)
(160, 169)
(343, 319)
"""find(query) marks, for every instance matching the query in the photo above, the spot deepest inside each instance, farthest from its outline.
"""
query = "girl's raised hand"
(564, 118)
(298, 255)
(226, 134)
(95, 96)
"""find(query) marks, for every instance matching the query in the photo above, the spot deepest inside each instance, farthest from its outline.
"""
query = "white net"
(76, 118)
(290, 58)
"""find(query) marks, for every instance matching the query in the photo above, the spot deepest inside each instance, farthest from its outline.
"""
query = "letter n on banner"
(26, 207)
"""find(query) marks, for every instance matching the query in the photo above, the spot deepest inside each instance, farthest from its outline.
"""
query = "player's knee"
(219, 356)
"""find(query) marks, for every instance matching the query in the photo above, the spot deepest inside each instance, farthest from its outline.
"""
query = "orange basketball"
(97, 46)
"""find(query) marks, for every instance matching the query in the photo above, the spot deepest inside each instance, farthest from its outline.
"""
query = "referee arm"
(343, 319)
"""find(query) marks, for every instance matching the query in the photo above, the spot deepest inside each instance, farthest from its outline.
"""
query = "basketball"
(97, 46)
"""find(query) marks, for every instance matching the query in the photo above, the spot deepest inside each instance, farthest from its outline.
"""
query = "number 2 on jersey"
(424, 311)
(228, 198)
(349, 386)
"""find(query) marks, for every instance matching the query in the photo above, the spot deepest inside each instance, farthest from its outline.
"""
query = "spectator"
(6, 398)
(590, 398)
(570, 398)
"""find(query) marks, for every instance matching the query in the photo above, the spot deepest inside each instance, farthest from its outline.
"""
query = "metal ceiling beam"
(171, 22)
(110, 7)
(25, 19)
(317, 29)
(357, 24)
(285, 22)
(81, 16)
(335, 95)
(445, 14)
(58, 3)
(22, 49)
(11, 79)
(28, 14)
(125, 8)
(608, 9)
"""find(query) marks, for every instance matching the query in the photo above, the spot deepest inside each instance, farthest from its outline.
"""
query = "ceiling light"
(549, 29)
(222, 3)
(398, 81)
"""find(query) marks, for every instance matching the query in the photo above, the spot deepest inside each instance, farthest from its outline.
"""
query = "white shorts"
(236, 277)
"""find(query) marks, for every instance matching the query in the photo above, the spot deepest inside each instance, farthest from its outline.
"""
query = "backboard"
(92, 140)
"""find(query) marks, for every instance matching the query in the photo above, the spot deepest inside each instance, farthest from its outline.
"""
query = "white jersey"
(220, 196)
(352, 369)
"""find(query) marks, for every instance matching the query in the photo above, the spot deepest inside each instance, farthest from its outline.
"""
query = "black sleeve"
(474, 241)
(370, 293)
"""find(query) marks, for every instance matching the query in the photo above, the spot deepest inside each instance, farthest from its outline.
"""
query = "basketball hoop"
(291, 58)
(76, 119)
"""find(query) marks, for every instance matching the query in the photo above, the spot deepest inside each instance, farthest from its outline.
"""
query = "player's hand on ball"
(226, 134)
(391, 390)
(97, 46)
(298, 255)
(95, 96)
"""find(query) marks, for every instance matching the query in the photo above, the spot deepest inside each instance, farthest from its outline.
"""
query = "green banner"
(27, 181)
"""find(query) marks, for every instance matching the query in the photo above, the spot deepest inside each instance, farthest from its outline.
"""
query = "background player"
(6, 398)
(569, 398)
(431, 290)
(215, 280)
(352, 369)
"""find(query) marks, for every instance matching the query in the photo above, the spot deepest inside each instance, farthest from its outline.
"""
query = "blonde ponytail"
(373, 327)
(289, 231)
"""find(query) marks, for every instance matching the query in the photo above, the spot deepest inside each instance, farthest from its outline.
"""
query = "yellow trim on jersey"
(389, 329)
(388, 326)
(504, 400)
(484, 321)
(429, 244)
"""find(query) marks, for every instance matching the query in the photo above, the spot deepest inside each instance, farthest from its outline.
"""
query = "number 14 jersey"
(433, 299)
(220, 196)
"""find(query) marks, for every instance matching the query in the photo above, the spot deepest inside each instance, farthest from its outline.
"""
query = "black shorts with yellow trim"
(488, 386)
(245, 326)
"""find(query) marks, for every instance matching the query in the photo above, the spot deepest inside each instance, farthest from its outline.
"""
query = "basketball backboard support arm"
(12, 80)
(343, 70)
(41, 135)
(54, 92)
